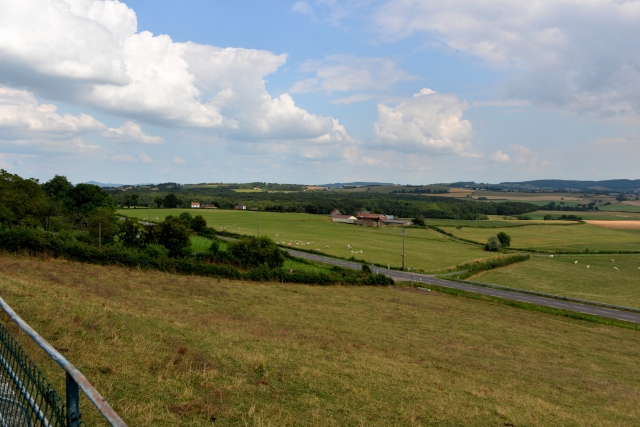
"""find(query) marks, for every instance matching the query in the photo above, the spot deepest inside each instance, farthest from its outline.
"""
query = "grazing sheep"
(587, 266)
(611, 259)
(576, 262)
(616, 268)
(327, 247)
(550, 256)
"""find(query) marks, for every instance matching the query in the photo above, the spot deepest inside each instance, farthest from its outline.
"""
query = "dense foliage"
(323, 202)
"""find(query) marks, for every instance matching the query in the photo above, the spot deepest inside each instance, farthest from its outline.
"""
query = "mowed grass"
(424, 249)
(577, 237)
(170, 350)
(561, 276)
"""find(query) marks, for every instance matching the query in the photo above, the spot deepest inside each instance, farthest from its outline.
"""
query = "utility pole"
(100, 234)
(403, 249)
(258, 221)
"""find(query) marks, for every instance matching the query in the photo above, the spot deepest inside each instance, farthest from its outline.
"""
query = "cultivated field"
(577, 237)
(619, 225)
(184, 351)
(424, 249)
(561, 276)
(597, 215)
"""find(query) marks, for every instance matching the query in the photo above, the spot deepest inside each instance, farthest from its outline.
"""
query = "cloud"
(22, 115)
(178, 160)
(302, 7)
(428, 122)
(562, 54)
(89, 52)
(499, 156)
(359, 97)
(131, 132)
(341, 73)
(144, 158)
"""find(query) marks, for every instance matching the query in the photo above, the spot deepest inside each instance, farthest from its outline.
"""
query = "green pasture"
(620, 208)
(598, 215)
(424, 249)
(561, 276)
(494, 221)
(558, 237)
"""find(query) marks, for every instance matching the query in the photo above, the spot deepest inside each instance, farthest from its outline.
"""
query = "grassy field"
(561, 276)
(577, 237)
(425, 250)
(620, 208)
(170, 350)
(613, 216)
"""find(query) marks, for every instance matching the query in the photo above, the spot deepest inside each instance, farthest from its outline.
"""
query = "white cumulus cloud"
(22, 115)
(499, 156)
(565, 54)
(428, 122)
(90, 52)
(343, 73)
(131, 132)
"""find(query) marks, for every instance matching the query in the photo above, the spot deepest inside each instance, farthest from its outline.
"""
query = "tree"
(186, 218)
(159, 201)
(171, 201)
(418, 221)
(20, 199)
(130, 232)
(255, 251)
(493, 244)
(504, 238)
(548, 217)
(101, 222)
(198, 223)
(134, 200)
(84, 198)
(174, 236)
(57, 187)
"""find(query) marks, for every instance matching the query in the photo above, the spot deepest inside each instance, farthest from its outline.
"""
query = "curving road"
(610, 313)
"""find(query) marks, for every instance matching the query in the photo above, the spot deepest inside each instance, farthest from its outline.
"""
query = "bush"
(174, 236)
(548, 217)
(504, 238)
(523, 217)
(186, 218)
(493, 244)
(198, 223)
(418, 221)
(254, 251)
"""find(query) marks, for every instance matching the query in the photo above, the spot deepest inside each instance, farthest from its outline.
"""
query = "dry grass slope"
(180, 351)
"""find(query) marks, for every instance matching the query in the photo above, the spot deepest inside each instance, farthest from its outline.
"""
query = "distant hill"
(559, 184)
(102, 184)
(355, 184)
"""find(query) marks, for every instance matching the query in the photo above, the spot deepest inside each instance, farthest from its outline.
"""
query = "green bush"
(174, 236)
(198, 223)
(254, 251)
(493, 244)
(504, 238)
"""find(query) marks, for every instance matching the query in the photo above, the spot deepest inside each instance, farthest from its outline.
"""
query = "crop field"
(621, 208)
(560, 275)
(424, 249)
(494, 221)
(576, 237)
(170, 350)
(597, 215)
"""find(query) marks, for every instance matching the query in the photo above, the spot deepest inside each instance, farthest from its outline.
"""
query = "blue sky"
(320, 91)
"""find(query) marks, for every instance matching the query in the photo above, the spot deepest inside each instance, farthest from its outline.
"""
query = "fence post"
(73, 402)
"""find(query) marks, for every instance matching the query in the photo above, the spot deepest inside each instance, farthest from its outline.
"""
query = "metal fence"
(28, 399)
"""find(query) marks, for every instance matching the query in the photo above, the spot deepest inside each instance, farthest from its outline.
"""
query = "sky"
(320, 91)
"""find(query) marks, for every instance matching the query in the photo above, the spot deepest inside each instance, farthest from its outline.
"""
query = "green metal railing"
(28, 399)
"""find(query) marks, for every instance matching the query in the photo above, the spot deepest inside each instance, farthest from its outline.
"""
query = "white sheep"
(351, 251)
(327, 247)
(576, 262)
(611, 259)
(587, 266)
(550, 256)
(616, 268)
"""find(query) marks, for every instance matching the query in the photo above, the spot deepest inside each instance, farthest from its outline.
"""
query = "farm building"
(240, 207)
(335, 212)
(370, 220)
(349, 219)
(209, 206)
(195, 204)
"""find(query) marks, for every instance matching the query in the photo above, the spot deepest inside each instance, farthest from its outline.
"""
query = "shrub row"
(64, 245)
(477, 267)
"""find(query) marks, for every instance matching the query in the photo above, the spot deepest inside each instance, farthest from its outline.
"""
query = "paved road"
(428, 279)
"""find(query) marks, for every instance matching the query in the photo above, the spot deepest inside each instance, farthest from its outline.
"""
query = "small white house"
(195, 204)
